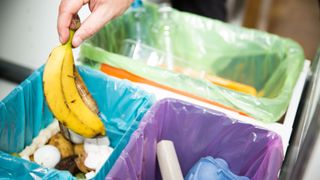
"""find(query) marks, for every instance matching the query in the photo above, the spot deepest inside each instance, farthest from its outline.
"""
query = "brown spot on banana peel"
(70, 76)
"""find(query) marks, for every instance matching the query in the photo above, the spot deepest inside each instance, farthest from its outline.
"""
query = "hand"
(102, 11)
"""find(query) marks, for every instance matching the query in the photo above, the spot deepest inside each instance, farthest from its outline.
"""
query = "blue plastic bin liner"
(24, 112)
(208, 168)
(17, 168)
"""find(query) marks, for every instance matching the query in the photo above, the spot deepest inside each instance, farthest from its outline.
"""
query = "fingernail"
(76, 41)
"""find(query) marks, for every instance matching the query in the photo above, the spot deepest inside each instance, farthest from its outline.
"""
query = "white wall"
(28, 30)
(5, 88)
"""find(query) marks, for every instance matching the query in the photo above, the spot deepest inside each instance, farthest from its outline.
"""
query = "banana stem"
(71, 33)
(75, 24)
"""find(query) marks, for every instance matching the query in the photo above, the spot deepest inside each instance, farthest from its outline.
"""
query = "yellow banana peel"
(67, 96)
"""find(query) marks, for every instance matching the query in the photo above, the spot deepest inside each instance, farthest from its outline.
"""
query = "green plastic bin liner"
(24, 112)
(266, 62)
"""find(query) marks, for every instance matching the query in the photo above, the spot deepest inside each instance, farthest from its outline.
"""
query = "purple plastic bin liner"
(198, 132)
(209, 168)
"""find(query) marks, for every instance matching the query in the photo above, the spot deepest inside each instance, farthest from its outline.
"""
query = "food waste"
(66, 93)
(82, 157)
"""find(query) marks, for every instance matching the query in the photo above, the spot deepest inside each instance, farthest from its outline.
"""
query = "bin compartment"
(198, 132)
(24, 112)
(202, 46)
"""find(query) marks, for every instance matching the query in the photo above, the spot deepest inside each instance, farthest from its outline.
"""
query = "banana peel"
(66, 94)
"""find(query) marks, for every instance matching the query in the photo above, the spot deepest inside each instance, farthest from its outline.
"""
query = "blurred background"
(28, 30)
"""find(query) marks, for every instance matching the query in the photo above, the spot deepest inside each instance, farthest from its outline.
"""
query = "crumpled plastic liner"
(198, 132)
(266, 62)
(24, 112)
